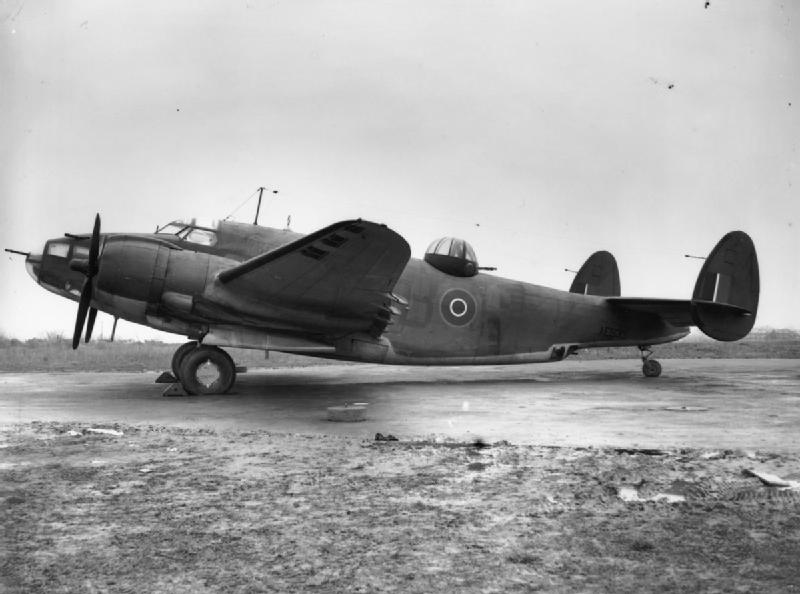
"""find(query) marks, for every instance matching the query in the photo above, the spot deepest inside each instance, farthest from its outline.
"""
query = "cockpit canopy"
(190, 232)
(452, 256)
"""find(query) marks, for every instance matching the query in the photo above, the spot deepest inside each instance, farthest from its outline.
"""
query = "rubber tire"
(207, 354)
(179, 355)
(651, 368)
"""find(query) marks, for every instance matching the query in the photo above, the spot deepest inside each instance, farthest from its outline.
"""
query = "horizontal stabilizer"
(725, 300)
(678, 312)
(599, 275)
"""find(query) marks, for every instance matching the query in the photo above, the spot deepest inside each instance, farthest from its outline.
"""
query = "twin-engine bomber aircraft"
(351, 291)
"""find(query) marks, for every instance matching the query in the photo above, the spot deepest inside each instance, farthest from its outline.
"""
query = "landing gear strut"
(650, 367)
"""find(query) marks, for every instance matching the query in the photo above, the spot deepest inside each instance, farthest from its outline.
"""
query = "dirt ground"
(168, 509)
(722, 404)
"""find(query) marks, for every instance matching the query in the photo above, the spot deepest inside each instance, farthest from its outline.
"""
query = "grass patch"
(54, 353)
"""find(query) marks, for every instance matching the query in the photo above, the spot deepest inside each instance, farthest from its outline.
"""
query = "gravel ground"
(160, 509)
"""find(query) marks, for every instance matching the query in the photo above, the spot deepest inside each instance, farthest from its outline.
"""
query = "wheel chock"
(166, 378)
(241, 369)
(175, 389)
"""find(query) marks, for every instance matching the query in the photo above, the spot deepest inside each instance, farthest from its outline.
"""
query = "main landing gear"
(203, 369)
(650, 367)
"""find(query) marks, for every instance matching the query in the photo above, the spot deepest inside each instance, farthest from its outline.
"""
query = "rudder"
(725, 298)
(599, 275)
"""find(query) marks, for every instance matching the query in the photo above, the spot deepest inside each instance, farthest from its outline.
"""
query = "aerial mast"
(258, 208)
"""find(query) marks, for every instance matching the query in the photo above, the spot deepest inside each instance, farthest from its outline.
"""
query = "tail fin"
(725, 299)
(599, 275)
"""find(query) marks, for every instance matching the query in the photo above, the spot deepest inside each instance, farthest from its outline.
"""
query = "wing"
(677, 312)
(346, 270)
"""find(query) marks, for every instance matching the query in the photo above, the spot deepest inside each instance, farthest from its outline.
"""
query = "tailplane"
(725, 298)
(599, 275)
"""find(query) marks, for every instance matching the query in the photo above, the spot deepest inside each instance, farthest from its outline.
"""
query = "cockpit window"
(173, 228)
(201, 236)
(58, 249)
(190, 232)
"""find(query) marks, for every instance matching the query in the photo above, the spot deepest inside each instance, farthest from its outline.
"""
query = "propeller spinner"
(89, 268)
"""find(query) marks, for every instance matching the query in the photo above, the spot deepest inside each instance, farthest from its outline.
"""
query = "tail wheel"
(179, 355)
(651, 368)
(207, 370)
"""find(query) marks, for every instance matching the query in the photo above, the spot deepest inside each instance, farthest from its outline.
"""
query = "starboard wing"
(347, 269)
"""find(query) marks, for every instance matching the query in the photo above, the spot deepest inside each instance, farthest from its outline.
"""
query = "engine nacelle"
(144, 269)
(132, 268)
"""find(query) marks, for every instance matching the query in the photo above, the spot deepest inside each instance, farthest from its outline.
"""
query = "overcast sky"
(538, 131)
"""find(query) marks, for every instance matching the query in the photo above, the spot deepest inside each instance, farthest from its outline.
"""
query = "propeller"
(89, 268)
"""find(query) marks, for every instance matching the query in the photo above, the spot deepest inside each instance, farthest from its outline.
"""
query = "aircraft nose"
(33, 264)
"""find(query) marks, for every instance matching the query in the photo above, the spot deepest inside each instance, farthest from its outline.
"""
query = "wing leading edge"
(346, 270)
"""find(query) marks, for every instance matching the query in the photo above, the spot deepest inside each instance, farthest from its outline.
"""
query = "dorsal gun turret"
(452, 256)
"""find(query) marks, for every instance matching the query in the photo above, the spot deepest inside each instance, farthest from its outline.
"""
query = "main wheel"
(180, 353)
(651, 368)
(207, 370)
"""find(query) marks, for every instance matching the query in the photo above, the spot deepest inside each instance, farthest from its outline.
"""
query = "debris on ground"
(477, 466)
(630, 493)
(712, 455)
(771, 480)
(102, 431)
(644, 451)
(382, 437)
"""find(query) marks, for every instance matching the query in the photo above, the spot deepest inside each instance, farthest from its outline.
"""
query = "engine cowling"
(133, 268)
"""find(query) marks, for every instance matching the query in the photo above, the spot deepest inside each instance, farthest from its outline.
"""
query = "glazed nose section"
(33, 264)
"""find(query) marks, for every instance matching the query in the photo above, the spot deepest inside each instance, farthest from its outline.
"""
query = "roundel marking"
(458, 307)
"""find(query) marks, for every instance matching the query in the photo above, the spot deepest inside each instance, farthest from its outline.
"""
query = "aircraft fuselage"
(169, 283)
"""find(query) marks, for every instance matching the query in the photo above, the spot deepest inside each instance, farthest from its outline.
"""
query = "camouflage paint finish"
(168, 283)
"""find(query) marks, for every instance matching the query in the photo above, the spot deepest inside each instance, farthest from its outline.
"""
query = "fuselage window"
(59, 250)
(80, 251)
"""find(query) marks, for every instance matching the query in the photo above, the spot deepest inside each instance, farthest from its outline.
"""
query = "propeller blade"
(94, 247)
(90, 323)
(83, 308)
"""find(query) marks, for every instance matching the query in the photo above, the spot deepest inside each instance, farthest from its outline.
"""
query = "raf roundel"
(458, 307)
